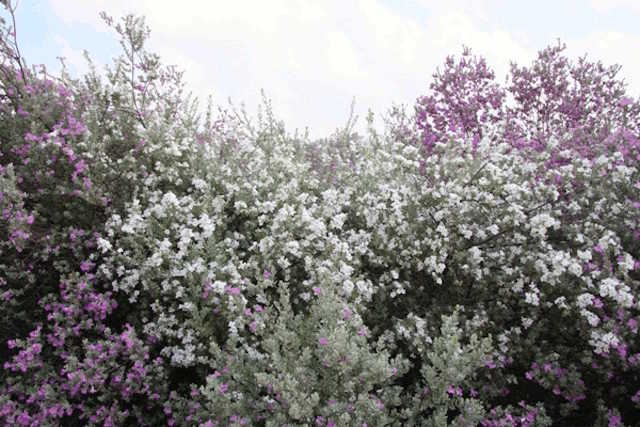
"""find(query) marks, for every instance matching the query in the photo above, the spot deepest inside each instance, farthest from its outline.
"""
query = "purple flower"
(454, 391)
(24, 419)
(86, 266)
(614, 420)
(233, 291)
(625, 101)
(323, 341)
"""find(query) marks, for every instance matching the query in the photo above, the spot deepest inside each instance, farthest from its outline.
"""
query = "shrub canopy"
(475, 265)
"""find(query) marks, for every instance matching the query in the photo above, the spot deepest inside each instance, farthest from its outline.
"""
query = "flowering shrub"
(160, 269)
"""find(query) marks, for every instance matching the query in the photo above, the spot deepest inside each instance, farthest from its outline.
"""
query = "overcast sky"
(312, 57)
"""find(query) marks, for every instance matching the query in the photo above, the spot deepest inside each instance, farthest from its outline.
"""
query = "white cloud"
(604, 6)
(85, 12)
(312, 58)
(342, 58)
(611, 47)
(498, 47)
(73, 58)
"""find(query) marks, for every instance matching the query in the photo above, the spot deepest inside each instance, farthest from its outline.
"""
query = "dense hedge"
(475, 265)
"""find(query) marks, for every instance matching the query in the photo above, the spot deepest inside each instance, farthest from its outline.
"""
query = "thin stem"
(15, 37)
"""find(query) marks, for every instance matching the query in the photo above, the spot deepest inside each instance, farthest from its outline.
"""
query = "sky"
(312, 58)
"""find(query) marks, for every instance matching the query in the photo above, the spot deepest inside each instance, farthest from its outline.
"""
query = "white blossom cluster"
(238, 253)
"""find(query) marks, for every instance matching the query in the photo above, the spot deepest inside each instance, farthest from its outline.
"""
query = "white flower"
(404, 332)
(128, 228)
(584, 255)
(591, 317)
(347, 286)
(602, 160)
(169, 199)
(207, 225)
(219, 286)
(540, 223)
(527, 322)
(561, 302)
(155, 260)
(532, 298)
(104, 245)
(621, 293)
(346, 270)
(398, 289)
(518, 286)
(603, 342)
(608, 287)
(442, 230)
(575, 269)
(198, 183)
(165, 245)
(584, 300)
(338, 221)
(283, 262)
(420, 324)
(293, 247)
(317, 227)
(233, 329)
(627, 262)
(475, 254)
